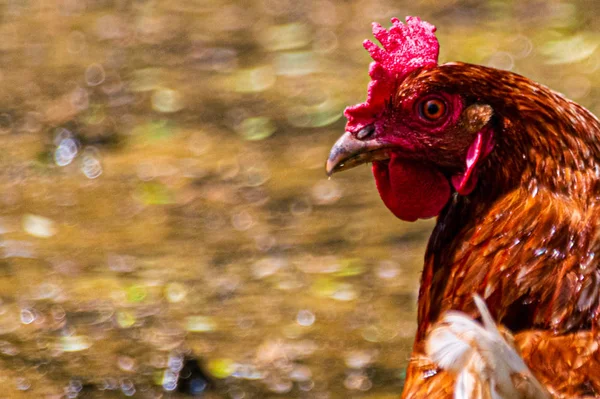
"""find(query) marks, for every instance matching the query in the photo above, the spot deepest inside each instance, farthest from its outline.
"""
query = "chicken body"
(512, 170)
(526, 239)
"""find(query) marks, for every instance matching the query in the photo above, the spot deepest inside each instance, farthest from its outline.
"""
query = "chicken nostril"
(365, 132)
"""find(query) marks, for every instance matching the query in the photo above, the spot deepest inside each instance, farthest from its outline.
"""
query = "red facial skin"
(430, 155)
(410, 185)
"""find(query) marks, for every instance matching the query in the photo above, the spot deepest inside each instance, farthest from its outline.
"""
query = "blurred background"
(166, 224)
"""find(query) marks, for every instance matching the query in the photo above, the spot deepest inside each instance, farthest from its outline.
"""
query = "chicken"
(511, 170)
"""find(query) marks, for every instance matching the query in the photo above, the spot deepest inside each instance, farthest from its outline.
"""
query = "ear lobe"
(465, 182)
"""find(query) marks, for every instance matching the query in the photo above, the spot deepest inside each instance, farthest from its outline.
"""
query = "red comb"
(405, 48)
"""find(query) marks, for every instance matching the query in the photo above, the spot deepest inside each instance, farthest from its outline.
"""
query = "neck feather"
(543, 174)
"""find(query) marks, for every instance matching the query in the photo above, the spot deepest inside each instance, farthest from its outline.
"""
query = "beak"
(349, 151)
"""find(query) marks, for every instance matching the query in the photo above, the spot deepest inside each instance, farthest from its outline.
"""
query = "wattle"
(411, 190)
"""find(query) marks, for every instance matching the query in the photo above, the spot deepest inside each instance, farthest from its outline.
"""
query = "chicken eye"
(433, 109)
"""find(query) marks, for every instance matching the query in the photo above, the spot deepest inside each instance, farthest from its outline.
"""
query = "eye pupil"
(433, 109)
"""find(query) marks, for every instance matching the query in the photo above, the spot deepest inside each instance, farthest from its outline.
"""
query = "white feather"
(465, 386)
(480, 357)
(447, 350)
